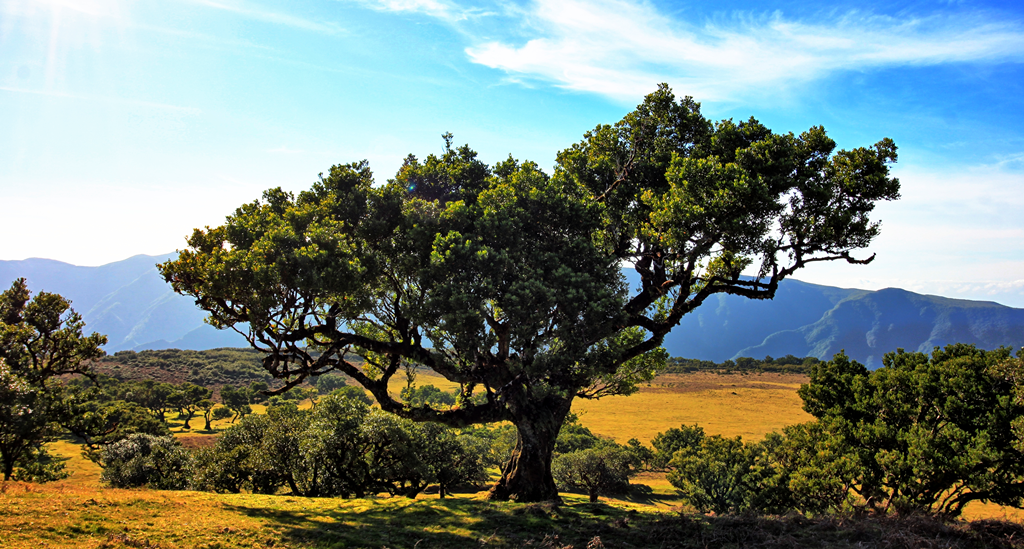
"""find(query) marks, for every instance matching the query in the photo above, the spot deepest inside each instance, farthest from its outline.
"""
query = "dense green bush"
(598, 470)
(147, 460)
(340, 448)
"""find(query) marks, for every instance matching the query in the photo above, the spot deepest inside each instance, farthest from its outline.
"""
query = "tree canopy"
(508, 280)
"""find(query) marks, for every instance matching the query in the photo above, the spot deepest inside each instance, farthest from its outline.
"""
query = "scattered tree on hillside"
(187, 398)
(237, 400)
(508, 281)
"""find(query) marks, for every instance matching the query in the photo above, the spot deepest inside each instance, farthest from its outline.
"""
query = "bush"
(603, 470)
(710, 475)
(922, 434)
(326, 384)
(147, 460)
(668, 443)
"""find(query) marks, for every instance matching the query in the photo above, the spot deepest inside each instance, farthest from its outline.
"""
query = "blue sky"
(126, 123)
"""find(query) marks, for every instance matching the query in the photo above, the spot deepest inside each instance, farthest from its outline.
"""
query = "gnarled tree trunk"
(527, 475)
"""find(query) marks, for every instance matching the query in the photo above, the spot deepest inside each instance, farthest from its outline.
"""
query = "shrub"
(147, 460)
(710, 475)
(601, 470)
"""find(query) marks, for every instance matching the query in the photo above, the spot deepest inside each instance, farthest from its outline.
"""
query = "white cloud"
(621, 49)
(955, 233)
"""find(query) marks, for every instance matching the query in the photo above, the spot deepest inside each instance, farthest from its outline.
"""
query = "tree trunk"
(527, 475)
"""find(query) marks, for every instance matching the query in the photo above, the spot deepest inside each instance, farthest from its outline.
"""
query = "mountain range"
(130, 303)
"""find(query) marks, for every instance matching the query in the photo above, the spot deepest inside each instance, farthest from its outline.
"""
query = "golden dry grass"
(729, 405)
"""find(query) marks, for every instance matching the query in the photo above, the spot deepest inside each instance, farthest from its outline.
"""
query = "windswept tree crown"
(508, 280)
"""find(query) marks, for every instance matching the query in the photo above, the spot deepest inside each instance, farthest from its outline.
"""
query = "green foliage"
(237, 400)
(100, 421)
(328, 383)
(674, 440)
(145, 460)
(710, 475)
(919, 435)
(355, 393)
(187, 398)
(339, 448)
(427, 396)
(573, 436)
(924, 433)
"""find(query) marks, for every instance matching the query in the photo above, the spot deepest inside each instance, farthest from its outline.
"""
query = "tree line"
(922, 434)
(788, 364)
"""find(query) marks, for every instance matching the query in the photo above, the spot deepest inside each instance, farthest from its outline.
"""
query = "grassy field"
(79, 512)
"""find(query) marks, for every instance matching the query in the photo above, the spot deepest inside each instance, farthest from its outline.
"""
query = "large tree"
(509, 281)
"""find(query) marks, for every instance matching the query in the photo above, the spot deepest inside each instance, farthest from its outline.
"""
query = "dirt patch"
(193, 442)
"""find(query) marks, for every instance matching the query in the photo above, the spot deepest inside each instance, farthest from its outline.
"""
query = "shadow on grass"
(461, 522)
(452, 522)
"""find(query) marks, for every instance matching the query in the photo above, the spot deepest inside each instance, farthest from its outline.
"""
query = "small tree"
(25, 423)
(453, 460)
(153, 395)
(206, 406)
(601, 470)
(100, 423)
(187, 398)
(327, 383)
(236, 400)
(710, 476)
(427, 396)
(674, 440)
(41, 339)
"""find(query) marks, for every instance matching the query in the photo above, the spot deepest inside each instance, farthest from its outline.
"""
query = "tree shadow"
(452, 522)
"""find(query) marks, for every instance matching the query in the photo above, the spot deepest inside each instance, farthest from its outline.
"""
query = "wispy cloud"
(279, 18)
(104, 99)
(448, 11)
(621, 49)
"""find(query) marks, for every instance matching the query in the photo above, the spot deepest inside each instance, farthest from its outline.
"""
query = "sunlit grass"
(749, 405)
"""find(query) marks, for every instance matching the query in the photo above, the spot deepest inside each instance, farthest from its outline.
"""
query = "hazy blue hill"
(84, 286)
(127, 301)
(724, 324)
(200, 339)
(871, 324)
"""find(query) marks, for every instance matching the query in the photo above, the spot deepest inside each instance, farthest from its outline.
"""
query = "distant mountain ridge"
(813, 320)
(127, 301)
(130, 303)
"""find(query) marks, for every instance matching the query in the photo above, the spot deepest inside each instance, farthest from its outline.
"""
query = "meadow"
(80, 512)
